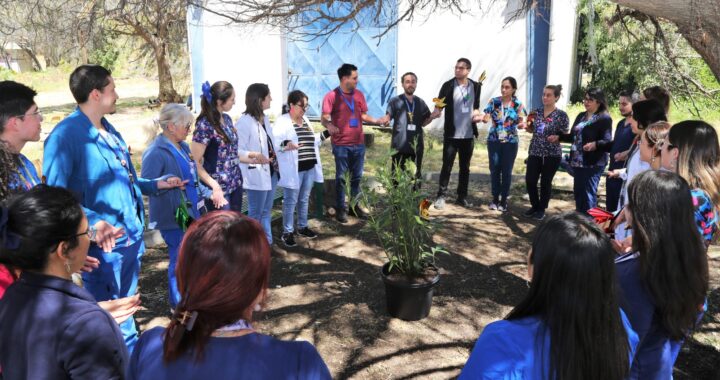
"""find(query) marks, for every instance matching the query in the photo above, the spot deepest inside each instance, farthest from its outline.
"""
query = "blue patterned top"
(26, 176)
(221, 160)
(705, 216)
(504, 119)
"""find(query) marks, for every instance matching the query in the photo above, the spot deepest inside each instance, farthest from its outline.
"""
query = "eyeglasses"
(90, 232)
(304, 107)
(37, 114)
(586, 99)
(460, 68)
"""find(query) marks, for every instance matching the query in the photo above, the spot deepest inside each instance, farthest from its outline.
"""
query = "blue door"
(313, 63)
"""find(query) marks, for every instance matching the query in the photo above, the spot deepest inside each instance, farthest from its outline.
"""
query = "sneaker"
(288, 239)
(502, 207)
(493, 206)
(463, 202)
(540, 215)
(307, 232)
(530, 212)
(341, 216)
(440, 203)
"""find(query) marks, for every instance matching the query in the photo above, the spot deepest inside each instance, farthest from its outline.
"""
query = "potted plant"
(398, 217)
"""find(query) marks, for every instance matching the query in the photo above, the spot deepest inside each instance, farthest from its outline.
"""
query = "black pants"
(544, 169)
(400, 159)
(451, 148)
(612, 193)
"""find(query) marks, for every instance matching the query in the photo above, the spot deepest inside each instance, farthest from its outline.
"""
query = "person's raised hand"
(106, 235)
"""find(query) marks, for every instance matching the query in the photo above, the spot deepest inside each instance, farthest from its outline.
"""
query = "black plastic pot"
(410, 302)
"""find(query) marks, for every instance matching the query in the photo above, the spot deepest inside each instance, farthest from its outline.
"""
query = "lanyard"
(411, 108)
(123, 161)
(191, 163)
(351, 103)
(465, 94)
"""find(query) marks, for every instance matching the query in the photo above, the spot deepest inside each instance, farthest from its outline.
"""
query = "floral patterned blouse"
(705, 215)
(556, 123)
(220, 159)
(504, 119)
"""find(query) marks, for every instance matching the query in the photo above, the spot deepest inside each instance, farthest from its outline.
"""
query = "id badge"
(353, 122)
(465, 109)
(540, 128)
(411, 127)
(201, 203)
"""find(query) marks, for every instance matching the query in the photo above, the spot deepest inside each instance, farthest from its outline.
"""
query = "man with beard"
(88, 156)
(622, 141)
(344, 111)
(409, 114)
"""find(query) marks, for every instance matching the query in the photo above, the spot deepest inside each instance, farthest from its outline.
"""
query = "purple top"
(220, 159)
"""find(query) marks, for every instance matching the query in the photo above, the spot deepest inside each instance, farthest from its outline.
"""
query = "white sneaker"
(493, 206)
(440, 203)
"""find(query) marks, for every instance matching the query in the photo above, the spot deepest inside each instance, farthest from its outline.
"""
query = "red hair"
(223, 267)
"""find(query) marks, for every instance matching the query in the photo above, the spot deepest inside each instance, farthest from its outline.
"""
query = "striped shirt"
(306, 153)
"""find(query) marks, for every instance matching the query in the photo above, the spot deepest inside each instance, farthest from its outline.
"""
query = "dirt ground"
(328, 291)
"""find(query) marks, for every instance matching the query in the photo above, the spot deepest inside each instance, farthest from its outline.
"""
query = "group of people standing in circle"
(89, 216)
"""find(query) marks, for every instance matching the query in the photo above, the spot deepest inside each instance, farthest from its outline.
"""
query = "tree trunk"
(167, 90)
(697, 20)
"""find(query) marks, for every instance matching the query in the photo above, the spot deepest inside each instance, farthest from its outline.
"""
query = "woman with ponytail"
(211, 335)
(214, 147)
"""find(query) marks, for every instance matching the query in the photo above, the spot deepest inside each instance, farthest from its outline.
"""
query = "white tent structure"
(537, 49)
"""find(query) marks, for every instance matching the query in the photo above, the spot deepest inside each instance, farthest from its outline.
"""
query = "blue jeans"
(172, 238)
(300, 198)
(260, 206)
(502, 158)
(585, 187)
(234, 200)
(116, 277)
(350, 158)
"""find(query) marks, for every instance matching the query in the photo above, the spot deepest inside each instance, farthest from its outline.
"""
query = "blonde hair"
(698, 156)
(655, 134)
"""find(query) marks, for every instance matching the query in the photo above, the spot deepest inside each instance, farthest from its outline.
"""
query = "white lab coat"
(283, 130)
(252, 138)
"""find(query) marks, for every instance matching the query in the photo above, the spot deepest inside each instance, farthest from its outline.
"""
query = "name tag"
(411, 127)
(465, 109)
(354, 122)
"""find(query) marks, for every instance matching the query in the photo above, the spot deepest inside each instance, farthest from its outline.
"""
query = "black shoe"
(357, 212)
(540, 215)
(341, 216)
(530, 212)
(463, 202)
(288, 239)
(307, 232)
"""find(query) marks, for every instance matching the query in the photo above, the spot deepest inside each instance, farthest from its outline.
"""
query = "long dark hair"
(254, 97)
(234, 255)
(221, 91)
(34, 223)
(573, 291)
(673, 263)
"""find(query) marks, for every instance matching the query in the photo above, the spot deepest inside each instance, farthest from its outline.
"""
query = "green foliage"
(6, 74)
(107, 53)
(634, 53)
(397, 222)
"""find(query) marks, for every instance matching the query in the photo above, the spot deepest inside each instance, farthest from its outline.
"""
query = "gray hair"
(174, 113)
